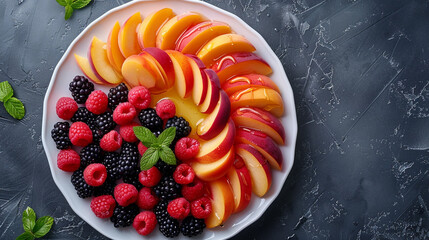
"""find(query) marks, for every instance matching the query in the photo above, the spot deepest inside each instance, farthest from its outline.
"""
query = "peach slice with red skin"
(259, 97)
(141, 70)
(84, 65)
(127, 38)
(97, 56)
(197, 36)
(213, 124)
(239, 178)
(218, 146)
(264, 121)
(146, 32)
(213, 92)
(171, 30)
(199, 90)
(249, 80)
(184, 77)
(240, 63)
(222, 202)
(259, 169)
(263, 143)
(223, 45)
(216, 169)
(114, 54)
(165, 64)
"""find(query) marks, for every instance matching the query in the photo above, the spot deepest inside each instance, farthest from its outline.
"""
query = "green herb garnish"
(71, 5)
(13, 105)
(34, 229)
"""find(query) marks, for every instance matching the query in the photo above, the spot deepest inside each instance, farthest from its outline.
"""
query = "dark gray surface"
(359, 70)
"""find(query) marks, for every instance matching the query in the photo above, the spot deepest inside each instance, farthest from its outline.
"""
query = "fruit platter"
(169, 119)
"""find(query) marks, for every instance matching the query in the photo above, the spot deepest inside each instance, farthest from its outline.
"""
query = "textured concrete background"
(360, 73)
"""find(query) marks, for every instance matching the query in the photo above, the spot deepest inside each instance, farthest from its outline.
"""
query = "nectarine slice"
(212, 125)
(164, 63)
(222, 202)
(141, 71)
(239, 178)
(213, 93)
(249, 80)
(199, 90)
(146, 33)
(184, 77)
(84, 65)
(114, 54)
(214, 170)
(264, 98)
(97, 56)
(127, 39)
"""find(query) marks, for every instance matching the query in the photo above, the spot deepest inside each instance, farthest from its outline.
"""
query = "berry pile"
(107, 167)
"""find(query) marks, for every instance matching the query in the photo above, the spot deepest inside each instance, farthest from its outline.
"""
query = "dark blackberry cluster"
(192, 226)
(124, 216)
(80, 88)
(83, 115)
(149, 119)
(106, 189)
(129, 159)
(82, 188)
(167, 188)
(90, 154)
(182, 127)
(157, 133)
(60, 134)
(111, 162)
(117, 95)
(160, 209)
(169, 227)
(133, 179)
(104, 123)
(164, 168)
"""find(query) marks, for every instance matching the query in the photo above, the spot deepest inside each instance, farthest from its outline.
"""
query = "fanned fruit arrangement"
(186, 133)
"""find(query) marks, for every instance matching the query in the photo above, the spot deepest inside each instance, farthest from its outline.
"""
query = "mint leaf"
(149, 158)
(15, 108)
(62, 2)
(42, 227)
(69, 12)
(25, 236)
(167, 155)
(77, 4)
(167, 136)
(145, 136)
(28, 219)
(6, 91)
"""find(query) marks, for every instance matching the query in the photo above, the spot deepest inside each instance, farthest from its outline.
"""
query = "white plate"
(67, 69)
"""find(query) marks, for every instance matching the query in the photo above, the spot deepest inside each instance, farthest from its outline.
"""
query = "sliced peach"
(259, 169)
(97, 56)
(222, 202)
(213, 124)
(127, 39)
(264, 98)
(241, 63)
(84, 65)
(146, 32)
(140, 71)
(199, 90)
(113, 52)
(263, 143)
(214, 170)
(213, 93)
(161, 82)
(239, 178)
(165, 64)
(171, 31)
(264, 121)
(197, 36)
(223, 45)
(184, 77)
(249, 80)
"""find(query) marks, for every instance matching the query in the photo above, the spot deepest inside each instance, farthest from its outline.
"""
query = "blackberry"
(165, 168)
(83, 115)
(128, 159)
(80, 88)
(124, 216)
(96, 133)
(60, 134)
(169, 227)
(117, 95)
(104, 123)
(90, 154)
(106, 189)
(182, 127)
(160, 210)
(157, 133)
(82, 188)
(111, 162)
(148, 118)
(167, 188)
(192, 226)
(133, 179)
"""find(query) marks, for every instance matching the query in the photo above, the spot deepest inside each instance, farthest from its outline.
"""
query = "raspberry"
(80, 88)
(97, 102)
(184, 174)
(193, 190)
(125, 194)
(90, 154)
(147, 199)
(142, 148)
(117, 95)
(111, 142)
(167, 188)
(182, 127)
(68, 160)
(201, 208)
(166, 109)
(179, 208)
(103, 206)
(80, 134)
(150, 177)
(144, 223)
(192, 226)
(148, 118)
(139, 97)
(95, 174)
(60, 135)
(124, 113)
(127, 132)
(111, 162)
(124, 216)
(186, 148)
(82, 188)
(66, 108)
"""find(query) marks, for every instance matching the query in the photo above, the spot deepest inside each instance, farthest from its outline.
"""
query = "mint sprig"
(71, 5)
(158, 148)
(12, 105)
(34, 229)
